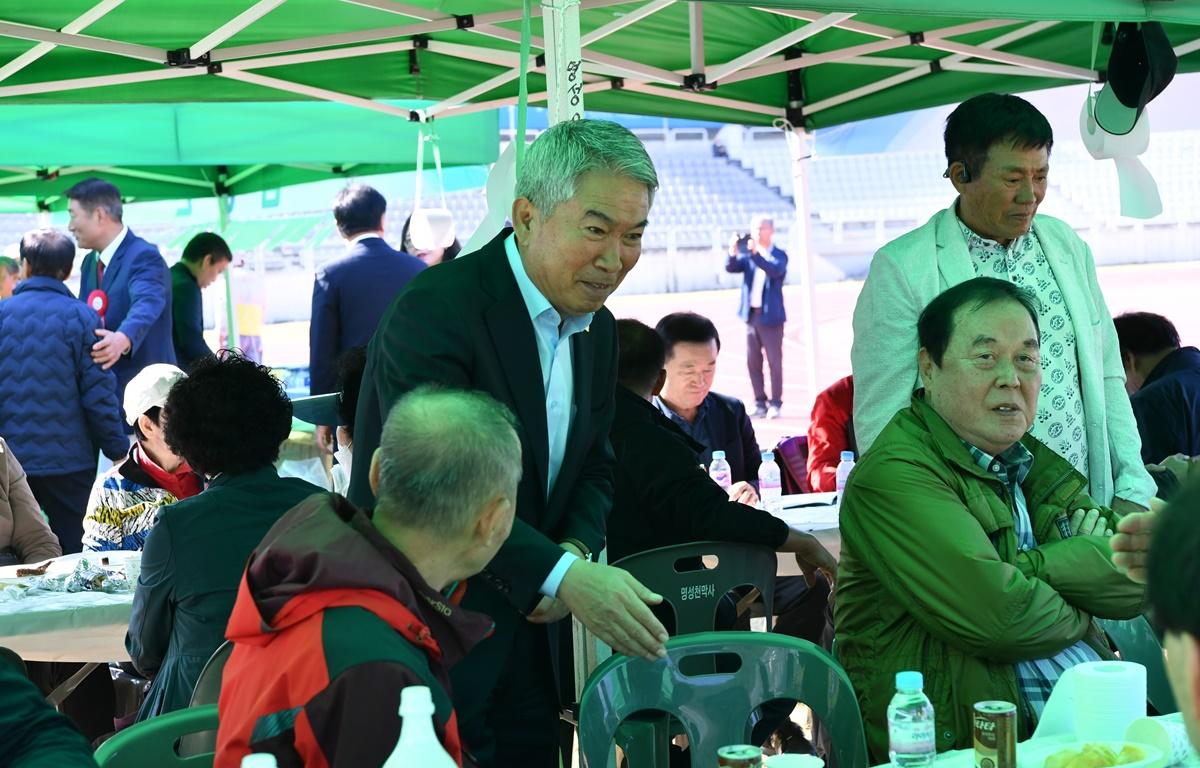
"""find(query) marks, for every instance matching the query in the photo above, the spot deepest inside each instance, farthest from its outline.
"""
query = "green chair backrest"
(694, 594)
(715, 708)
(1136, 641)
(208, 685)
(207, 691)
(151, 743)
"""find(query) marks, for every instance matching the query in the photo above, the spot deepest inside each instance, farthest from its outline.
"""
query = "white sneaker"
(773, 412)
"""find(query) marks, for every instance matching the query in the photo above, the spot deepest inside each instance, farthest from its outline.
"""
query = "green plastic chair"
(1136, 641)
(151, 743)
(693, 595)
(715, 708)
(207, 691)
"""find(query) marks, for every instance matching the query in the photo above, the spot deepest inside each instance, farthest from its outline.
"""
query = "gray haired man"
(523, 319)
(363, 599)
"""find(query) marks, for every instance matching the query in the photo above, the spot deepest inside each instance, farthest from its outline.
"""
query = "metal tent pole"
(799, 143)
(230, 316)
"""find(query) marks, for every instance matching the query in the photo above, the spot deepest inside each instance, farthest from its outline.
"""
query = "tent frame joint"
(697, 82)
(183, 59)
(793, 110)
(466, 21)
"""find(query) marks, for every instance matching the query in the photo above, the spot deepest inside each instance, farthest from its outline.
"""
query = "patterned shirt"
(1035, 677)
(1059, 423)
(121, 511)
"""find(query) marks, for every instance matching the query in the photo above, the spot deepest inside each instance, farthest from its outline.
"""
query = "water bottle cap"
(909, 681)
(718, 454)
(847, 455)
(416, 700)
(768, 455)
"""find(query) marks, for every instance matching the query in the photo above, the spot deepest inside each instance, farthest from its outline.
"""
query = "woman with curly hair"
(227, 420)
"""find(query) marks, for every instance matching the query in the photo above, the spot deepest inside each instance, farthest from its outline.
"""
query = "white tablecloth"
(815, 513)
(66, 626)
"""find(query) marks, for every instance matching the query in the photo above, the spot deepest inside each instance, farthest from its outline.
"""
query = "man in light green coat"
(970, 550)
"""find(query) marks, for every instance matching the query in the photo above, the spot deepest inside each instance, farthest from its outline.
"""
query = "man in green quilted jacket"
(970, 550)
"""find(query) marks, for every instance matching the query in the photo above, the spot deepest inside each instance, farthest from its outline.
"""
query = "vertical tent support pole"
(230, 315)
(564, 98)
(800, 147)
(564, 59)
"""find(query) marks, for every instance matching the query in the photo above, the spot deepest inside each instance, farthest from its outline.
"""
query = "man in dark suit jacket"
(204, 258)
(662, 496)
(132, 274)
(718, 422)
(1163, 381)
(523, 320)
(351, 294)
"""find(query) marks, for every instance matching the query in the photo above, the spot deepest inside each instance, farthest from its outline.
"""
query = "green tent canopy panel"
(191, 150)
(887, 56)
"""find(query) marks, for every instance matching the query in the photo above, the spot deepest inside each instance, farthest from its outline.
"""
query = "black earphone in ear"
(964, 176)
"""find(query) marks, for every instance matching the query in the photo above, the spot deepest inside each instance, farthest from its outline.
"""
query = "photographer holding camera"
(763, 267)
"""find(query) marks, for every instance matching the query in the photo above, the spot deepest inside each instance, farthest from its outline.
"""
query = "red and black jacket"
(331, 623)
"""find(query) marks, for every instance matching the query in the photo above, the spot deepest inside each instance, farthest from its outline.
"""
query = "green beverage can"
(995, 734)
(739, 756)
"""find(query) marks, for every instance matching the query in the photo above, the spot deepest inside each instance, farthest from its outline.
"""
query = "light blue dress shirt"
(553, 334)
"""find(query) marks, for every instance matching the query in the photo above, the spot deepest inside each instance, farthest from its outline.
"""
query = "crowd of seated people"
(501, 427)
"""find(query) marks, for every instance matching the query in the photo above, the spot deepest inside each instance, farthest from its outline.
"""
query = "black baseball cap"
(1140, 66)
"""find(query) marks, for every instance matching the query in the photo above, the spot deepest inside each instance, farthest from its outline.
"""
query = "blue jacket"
(774, 265)
(56, 406)
(349, 297)
(1167, 407)
(138, 285)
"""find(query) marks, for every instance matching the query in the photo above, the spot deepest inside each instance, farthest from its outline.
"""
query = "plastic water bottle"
(843, 470)
(910, 723)
(720, 471)
(259, 760)
(770, 486)
(418, 743)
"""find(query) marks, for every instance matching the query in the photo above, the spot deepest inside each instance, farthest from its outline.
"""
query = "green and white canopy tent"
(726, 61)
(194, 150)
(801, 64)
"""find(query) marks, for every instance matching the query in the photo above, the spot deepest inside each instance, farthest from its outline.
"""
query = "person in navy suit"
(764, 267)
(205, 258)
(351, 294)
(137, 322)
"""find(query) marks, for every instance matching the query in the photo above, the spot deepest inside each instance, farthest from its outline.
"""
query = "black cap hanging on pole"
(794, 111)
